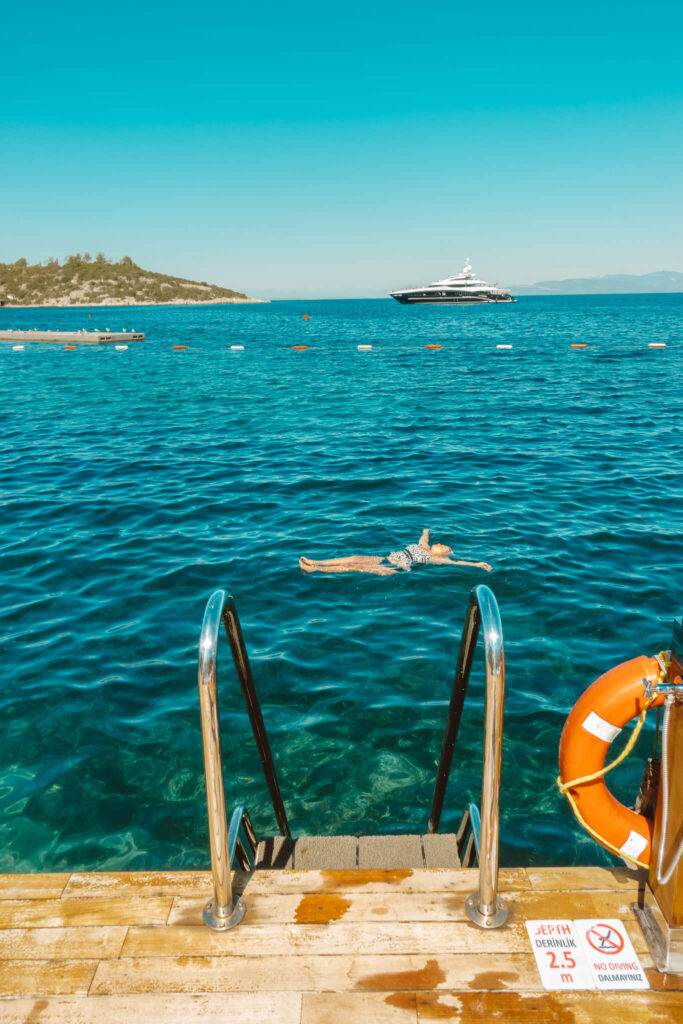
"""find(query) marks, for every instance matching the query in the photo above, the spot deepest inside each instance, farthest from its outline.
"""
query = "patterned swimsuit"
(409, 556)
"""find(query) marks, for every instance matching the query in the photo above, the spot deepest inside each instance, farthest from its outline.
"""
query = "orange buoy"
(306, 316)
(432, 346)
(596, 719)
(300, 346)
(70, 348)
(180, 346)
(582, 345)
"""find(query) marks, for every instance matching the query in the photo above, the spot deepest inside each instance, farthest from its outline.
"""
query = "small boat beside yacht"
(465, 288)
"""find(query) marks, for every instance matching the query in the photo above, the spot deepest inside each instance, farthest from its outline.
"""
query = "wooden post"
(669, 895)
(660, 914)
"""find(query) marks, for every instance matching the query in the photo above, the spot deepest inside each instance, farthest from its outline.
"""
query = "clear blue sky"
(303, 149)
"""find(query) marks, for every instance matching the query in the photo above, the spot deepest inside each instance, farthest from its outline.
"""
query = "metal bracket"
(222, 922)
(663, 687)
(473, 909)
(664, 943)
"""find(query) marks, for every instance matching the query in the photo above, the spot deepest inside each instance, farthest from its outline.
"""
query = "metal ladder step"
(344, 853)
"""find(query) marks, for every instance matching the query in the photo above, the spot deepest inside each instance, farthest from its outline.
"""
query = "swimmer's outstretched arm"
(453, 561)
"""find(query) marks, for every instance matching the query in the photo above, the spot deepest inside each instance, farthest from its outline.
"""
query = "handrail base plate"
(221, 923)
(486, 920)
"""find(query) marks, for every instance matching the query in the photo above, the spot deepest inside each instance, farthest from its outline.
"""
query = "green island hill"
(81, 280)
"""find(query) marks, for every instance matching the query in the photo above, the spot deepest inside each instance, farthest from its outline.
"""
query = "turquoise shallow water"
(135, 483)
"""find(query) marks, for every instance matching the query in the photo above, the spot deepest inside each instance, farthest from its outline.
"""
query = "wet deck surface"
(316, 947)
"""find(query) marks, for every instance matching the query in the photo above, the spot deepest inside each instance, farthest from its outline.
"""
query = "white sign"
(559, 957)
(610, 954)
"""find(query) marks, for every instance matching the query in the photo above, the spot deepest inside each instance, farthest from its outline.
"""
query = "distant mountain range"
(610, 284)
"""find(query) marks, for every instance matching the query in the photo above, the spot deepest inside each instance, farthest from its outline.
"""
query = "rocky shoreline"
(58, 304)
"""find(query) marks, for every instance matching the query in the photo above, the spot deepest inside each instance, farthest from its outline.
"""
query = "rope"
(663, 660)
(601, 839)
(565, 786)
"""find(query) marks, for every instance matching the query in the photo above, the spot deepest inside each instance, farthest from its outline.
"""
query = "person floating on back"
(386, 565)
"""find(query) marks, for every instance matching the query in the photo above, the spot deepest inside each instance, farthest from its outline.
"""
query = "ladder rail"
(468, 643)
(223, 912)
(238, 648)
(484, 907)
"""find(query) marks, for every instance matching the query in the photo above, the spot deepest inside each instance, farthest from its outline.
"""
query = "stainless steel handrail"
(484, 907)
(475, 824)
(240, 827)
(222, 912)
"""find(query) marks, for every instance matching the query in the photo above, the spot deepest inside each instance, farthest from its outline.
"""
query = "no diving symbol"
(605, 939)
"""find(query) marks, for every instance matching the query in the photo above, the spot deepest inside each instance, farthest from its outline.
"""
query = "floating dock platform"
(73, 337)
(315, 947)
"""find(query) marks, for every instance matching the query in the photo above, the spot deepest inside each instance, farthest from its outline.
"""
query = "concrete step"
(330, 853)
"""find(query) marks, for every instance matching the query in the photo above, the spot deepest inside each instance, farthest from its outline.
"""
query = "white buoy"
(365, 348)
(17, 348)
(237, 348)
(503, 346)
(657, 344)
(121, 348)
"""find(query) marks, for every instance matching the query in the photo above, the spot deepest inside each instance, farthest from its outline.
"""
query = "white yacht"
(464, 287)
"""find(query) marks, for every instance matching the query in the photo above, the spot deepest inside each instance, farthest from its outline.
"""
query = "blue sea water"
(135, 483)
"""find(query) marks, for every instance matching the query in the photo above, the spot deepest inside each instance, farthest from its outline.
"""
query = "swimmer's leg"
(349, 559)
(347, 565)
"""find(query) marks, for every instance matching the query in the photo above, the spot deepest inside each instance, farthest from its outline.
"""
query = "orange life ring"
(596, 719)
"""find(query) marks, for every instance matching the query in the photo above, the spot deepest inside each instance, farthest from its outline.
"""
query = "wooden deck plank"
(309, 973)
(339, 1008)
(369, 973)
(199, 883)
(342, 938)
(324, 907)
(61, 943)
(227, 1008)
(422, 880)
(144, 883)
(550, 1007)
(34, 886)
(125, 910)
(588, 879)
(45, 978)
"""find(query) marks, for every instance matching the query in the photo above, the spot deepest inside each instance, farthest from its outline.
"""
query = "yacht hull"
(449, 300)
(464, 289)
